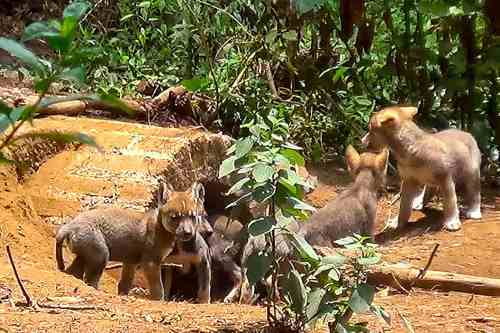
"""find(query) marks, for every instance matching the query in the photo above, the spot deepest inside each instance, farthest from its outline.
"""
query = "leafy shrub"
(328, 63)
(264, 165)
(67, 66)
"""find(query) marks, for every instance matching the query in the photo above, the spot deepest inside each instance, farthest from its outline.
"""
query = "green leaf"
(271, 36)
(238, 185)
(264, 192)
(20, 52)
(261, 226)
(76, 9)
(335, 260)
(314, 300)
(126, 17)
(300, 205)
(42, 85)
(18, 113)
(346, 241)
(434, 7)
(290, 145)
(362, 298)
(304, 6)
(196, 84)
(76, 74)
(297, 291)
(262, 173)
(227, 166)
(289, 187)
(381, 313)
(4, 108)
(334, 275)
(368, 260)
(243, 146)
(38, 30)
(293, 156)
(290, 35)
(239, 200)
(112, 102)
(5, 160)
(303, 248)
(258, 264)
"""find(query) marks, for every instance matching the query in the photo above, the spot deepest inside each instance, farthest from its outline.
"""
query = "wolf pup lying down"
(352, 211)
(449, 160)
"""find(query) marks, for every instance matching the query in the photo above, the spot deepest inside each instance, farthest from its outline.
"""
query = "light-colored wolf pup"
(449, 160)
(134, 238)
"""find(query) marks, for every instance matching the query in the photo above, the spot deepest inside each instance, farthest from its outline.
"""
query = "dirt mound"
(126, 172)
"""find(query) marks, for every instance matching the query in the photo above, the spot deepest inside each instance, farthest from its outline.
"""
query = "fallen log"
(404, 277)
(72, 108)
(398, 276)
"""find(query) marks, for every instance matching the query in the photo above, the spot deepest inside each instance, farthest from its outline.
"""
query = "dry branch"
(29, 302)
(404, 277)
(408, 276)
(76, 307)
(72, 108)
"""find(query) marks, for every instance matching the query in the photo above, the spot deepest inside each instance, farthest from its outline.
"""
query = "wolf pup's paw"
(391, 224)
(473, 213)
(453, 224)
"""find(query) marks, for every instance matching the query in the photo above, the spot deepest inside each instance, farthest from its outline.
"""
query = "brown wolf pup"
(449, 160)
(100, 235)
(352, 211)
(222, 255)
(193, 252)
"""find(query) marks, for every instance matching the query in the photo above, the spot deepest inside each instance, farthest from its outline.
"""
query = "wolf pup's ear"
(409, 111)
(164, 192)
(198, 191)
(381, 160)
(353, 159)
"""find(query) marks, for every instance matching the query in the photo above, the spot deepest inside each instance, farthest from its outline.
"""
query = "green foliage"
(440, 55)
(264, 168)
(335, 285)
(68, 65)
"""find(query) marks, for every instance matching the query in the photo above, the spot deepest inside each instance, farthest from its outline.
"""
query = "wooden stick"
(407, 277)
(78, 307)
(29, 302)
(429, 262)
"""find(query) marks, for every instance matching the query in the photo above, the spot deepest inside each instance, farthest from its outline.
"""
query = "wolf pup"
(449, 160)
(100, 235)
(191, 251)
(352, 211)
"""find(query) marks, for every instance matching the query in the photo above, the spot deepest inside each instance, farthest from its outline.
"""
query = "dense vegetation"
(323, 64)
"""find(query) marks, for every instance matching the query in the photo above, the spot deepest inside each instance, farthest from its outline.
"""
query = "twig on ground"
(77, 307)
(429, 262)
(406, 291)
(29, 302)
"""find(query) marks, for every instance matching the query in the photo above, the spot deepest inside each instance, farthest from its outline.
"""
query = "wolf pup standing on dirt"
(100, 235)
(449, 159)
(191, 251)
(352, 211)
